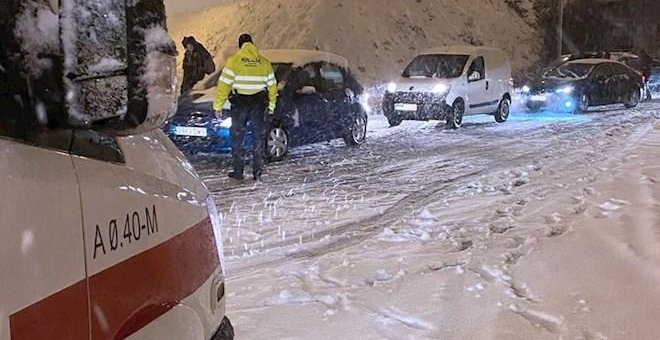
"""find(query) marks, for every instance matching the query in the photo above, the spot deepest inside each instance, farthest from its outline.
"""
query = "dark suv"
(319, 100)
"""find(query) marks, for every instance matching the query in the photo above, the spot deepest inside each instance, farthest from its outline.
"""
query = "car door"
(623, 81)
(602, 85)
(477, 101)
(337, 118)
(309, 107)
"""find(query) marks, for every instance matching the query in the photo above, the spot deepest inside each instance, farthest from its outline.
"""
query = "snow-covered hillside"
(378, 37)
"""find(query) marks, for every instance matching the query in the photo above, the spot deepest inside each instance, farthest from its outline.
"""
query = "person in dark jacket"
(197, 63)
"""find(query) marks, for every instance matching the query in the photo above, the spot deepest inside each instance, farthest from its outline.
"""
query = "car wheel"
(633, 98)
(394, 121)
(277, 144)
(582, 104)
(358, 131)
(503, 111)
(455, 117)
(533, 107)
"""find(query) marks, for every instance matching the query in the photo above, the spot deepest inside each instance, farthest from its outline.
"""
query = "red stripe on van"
(62, 315)
(127, 296)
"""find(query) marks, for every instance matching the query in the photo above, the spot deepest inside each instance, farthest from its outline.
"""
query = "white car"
(107, 232)
(448, 83)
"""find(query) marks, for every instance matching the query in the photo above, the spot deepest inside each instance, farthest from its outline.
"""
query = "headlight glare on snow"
(526, 89)
(565, 90)
(391, 87)
(441, 89)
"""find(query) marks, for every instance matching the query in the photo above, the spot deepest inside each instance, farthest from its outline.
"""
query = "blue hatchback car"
(319, 100)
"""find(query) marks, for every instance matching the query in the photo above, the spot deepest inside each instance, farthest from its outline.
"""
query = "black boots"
(235, 175)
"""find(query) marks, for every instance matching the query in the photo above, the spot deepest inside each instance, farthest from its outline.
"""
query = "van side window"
(477, 70)
(333, 78)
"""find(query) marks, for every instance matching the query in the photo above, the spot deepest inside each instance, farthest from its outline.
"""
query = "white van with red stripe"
(106, 231)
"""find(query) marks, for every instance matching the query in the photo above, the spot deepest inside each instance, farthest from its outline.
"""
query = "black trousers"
(248, 109)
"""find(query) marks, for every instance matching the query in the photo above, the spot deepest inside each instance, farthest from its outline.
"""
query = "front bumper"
(429, 106)
(218, 141)
(550, 101)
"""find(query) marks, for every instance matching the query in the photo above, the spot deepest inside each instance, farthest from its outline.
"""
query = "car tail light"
(643, 79)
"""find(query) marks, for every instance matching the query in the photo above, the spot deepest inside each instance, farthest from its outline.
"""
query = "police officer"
(249, 78)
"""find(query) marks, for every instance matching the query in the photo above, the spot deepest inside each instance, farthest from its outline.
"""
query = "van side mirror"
(474, 76)
(307, 90)
(119, 64)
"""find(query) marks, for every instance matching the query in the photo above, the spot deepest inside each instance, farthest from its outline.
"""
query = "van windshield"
(436, 66)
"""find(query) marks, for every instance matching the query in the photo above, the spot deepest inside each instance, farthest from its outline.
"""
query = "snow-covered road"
(494, 231)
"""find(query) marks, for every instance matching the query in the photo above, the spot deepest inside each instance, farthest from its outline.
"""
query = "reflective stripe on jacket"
(246, 73)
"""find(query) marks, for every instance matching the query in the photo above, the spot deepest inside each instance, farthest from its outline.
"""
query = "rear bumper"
(429, 106)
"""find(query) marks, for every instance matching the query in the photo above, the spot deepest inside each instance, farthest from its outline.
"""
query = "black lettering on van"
(134, 231)
(98, 241)
(152, 220)
(114, 235)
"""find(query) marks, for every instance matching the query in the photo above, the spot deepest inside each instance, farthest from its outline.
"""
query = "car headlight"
(226, 123)
(526, 89)
(391, 87)
(441, 89)
(565, 90)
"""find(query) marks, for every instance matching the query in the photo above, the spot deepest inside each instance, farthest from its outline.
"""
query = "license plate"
(405, 107)
(539, 98)
(190, 131)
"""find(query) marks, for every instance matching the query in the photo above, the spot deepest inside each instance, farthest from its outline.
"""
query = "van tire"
(503, 111)
(455, 116)
(394, 121)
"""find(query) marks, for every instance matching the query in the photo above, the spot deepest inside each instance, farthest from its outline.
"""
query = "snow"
(37, 28)
(303, 57)
(107, 65)
(540, 228)
(378, 38)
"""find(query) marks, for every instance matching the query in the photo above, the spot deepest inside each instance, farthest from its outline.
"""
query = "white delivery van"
(106, 231)
(448, 83)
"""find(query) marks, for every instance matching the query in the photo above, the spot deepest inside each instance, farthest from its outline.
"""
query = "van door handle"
(487, 85)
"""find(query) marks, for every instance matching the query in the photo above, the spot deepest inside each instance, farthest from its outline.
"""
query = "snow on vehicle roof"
(593, 61)
(303, 57)
(467, 49)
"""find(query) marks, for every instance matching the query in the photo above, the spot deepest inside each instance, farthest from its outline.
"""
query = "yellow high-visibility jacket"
(247, 73)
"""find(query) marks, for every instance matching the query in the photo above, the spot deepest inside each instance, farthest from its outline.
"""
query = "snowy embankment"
(377, 37)
(540, 228)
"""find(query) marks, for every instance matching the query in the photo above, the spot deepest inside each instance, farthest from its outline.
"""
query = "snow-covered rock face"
(378, 38)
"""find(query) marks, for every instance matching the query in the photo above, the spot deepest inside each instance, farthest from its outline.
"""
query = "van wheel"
(357, 132)
(277, 144)
(455, 116)
(503, 111)
(394, 121)
(633, 98)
